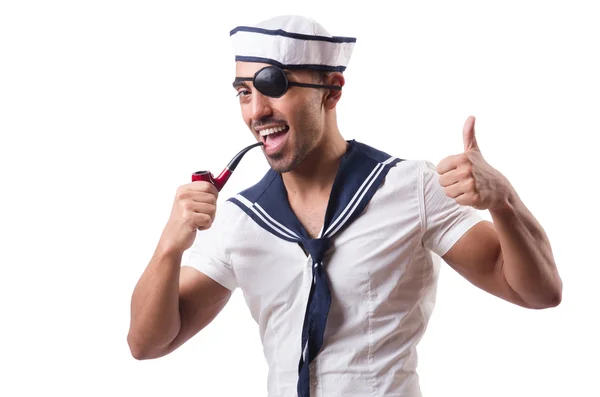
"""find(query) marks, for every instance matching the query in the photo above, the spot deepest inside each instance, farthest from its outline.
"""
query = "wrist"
(167, 251)
(507, 204)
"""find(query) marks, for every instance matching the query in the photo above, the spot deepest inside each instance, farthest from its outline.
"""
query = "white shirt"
(382, 270)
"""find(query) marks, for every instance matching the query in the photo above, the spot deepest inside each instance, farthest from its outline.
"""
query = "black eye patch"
(273, 82)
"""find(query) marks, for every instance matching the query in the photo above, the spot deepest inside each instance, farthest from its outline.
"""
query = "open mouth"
(273, 137)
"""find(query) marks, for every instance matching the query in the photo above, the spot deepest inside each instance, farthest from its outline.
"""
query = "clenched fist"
(470, 180)
(194, 208)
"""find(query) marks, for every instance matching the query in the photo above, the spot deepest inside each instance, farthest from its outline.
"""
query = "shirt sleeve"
(209, 256)
(444, 221)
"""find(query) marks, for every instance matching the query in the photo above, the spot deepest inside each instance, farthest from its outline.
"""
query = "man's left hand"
(470, 180)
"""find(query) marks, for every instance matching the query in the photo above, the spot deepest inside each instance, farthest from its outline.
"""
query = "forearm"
(527, 259)
(155, 318)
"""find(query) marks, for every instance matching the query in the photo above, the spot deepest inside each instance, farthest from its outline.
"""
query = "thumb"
(469, 140)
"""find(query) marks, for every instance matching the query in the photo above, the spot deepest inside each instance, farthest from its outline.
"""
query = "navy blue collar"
(361, 171)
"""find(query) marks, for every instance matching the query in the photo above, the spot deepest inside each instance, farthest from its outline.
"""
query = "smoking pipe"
(223, 177)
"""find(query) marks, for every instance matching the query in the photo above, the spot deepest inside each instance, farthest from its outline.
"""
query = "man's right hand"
(194, 208)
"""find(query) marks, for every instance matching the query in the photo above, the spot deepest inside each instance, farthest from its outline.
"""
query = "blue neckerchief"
(361, 172)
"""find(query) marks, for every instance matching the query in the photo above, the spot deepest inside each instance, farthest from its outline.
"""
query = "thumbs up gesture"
(469, 179)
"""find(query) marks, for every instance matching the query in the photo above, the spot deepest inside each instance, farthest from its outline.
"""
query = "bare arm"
(526, 257)
(509, 264)
(170, 303)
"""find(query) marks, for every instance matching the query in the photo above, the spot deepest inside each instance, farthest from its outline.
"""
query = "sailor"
(337, 247)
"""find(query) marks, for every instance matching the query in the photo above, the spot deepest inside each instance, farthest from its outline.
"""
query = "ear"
(333, 96)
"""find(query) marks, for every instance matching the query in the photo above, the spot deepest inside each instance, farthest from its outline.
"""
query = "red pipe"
(223, 177)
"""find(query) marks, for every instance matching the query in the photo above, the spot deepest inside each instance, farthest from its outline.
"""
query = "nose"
(261, 106)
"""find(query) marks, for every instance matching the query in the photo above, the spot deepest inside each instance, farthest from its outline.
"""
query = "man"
(337, 247)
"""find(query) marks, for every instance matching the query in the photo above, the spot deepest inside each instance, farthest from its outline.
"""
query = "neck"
(316, 174)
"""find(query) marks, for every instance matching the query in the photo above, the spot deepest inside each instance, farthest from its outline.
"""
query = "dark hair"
(321, 75)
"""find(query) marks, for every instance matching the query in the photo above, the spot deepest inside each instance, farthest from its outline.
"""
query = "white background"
(107, 106)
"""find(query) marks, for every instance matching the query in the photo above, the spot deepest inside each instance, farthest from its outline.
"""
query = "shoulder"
(402, 164)
(403, 171)
(254, 192)
(233, 212)
(412, 170)
(406, 179)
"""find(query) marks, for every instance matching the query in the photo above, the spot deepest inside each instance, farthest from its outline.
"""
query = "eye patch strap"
(293, 83)
(332, 87)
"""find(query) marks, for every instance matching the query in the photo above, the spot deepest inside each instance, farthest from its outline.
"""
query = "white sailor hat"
(292, 42)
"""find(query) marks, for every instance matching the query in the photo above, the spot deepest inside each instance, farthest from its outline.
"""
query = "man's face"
(289, 126)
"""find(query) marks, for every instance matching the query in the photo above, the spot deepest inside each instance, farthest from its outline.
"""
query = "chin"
(280, 167)
(284, 161)
(280, 164)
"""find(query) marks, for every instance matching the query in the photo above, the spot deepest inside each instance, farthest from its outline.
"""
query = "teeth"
(269, 131)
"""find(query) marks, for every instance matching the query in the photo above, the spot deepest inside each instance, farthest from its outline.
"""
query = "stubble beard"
(307, 134)
(279, 164)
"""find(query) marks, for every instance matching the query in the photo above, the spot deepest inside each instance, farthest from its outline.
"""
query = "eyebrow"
(239, 82)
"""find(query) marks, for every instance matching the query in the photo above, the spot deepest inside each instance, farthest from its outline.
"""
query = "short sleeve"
(444, 221)
(208, 255)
